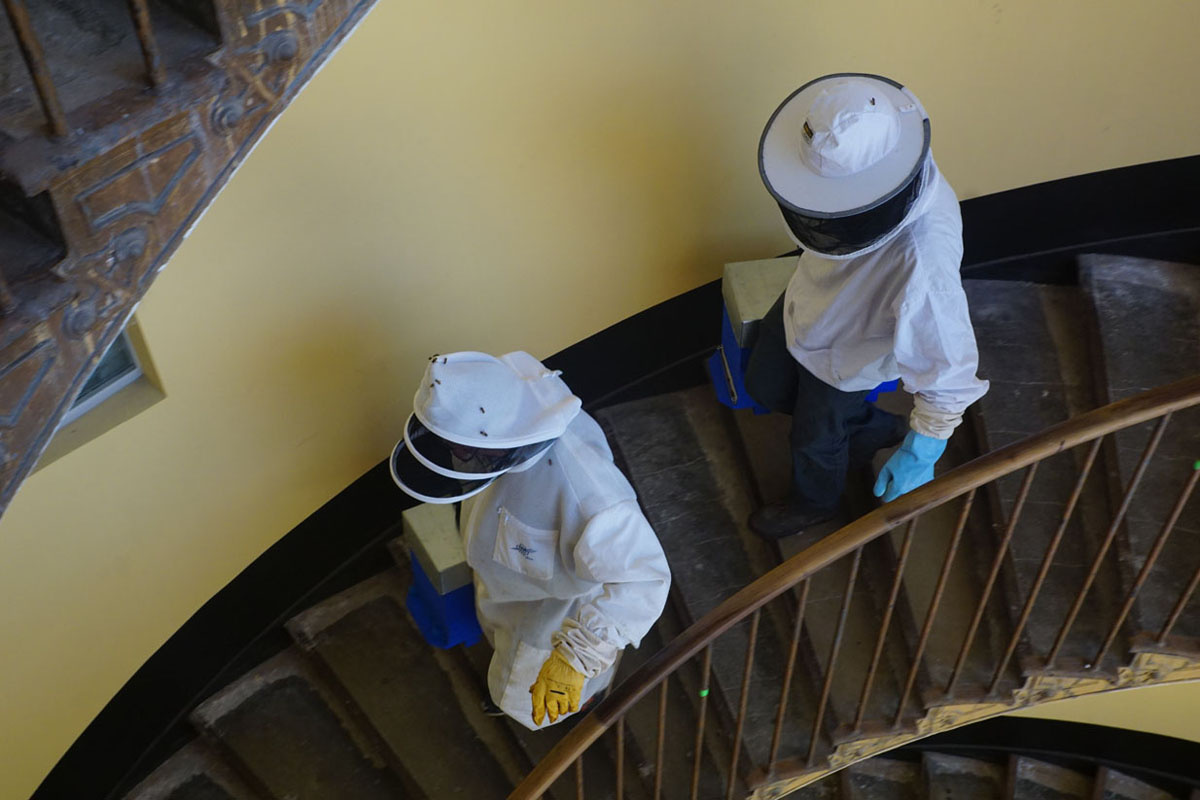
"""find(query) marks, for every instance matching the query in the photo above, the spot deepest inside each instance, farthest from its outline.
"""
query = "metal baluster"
(706, 669)
(145, 34)
(833, 654)
(579, 778)
(797, 628)
(662, 737)
(747, 666)
(1179, 607)
(621, 758)
(934, 603)
(35, 60)
(897, 581)
(1151, 446)
(1151, 558)
(1001, 550)
(1047, 562)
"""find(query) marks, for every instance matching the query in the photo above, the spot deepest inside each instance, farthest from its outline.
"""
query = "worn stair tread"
(1038, 780)
(534, 744)
(1148, 326)
(880, 563)
(825, 789)
(1035, 364)
(366, 640)
(882, 779)
(193, 773)
(1114, 785)
(692, 502)
(765, 439)
(682, 720)
(963, 592)
(467, 669)
(950, 777)
(294, 737)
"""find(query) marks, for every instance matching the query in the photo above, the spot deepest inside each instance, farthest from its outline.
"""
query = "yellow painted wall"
(498, 176)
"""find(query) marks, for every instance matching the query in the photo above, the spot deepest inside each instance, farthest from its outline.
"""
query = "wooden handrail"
(1063, 436)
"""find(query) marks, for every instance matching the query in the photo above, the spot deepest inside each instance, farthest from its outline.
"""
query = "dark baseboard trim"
(1164, 761)
(1147, 210)
(1031, 233)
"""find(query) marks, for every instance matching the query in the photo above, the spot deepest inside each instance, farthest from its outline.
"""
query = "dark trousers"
(831, 429)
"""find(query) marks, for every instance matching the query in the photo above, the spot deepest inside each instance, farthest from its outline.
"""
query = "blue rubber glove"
(910, 466)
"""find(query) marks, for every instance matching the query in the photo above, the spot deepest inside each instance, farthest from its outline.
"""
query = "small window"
(117, 369)
(123, 385)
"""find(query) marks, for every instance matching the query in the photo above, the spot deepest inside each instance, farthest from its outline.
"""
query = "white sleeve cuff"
(933, 422)
(587, 652)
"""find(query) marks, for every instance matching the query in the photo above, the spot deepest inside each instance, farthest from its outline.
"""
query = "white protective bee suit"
(897, 310)
(563, 558)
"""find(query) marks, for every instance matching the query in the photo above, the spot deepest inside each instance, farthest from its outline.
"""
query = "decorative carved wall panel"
(135, 171)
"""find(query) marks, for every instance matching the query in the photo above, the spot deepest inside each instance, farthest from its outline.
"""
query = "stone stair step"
(961, 597)
(883, 779)
(863, 622)
(1114, 785)
(467, 668)
(1035, 357)
(957, 778)
(721, 434)
(767, 457)
(535, 745)
(765, 441)
(284, 727)
(676, 452)
(880, 565)
(765, 438)
(824, 789)
(433, 726)
(1148, 332)
(682, 719)
(1038, 780)
(194, 772)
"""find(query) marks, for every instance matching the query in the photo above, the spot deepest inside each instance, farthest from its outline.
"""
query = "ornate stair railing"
(992, 688)
(135, 144)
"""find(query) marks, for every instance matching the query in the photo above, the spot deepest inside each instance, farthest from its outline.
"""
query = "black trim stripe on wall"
(1166, 762)
(1031, 233)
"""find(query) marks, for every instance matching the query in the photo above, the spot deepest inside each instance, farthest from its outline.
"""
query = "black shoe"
(785, 519)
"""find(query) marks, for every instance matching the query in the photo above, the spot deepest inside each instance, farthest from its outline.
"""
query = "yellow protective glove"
(557, 688)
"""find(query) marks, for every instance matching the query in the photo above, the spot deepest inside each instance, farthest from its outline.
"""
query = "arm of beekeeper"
(618, 548)
(937, 357)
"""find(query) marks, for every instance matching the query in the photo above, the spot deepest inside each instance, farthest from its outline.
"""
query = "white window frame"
(109, 389)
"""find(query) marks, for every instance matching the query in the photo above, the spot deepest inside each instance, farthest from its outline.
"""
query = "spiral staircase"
(1054, 556)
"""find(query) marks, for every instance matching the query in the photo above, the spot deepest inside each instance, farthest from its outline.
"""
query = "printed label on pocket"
(523, 548)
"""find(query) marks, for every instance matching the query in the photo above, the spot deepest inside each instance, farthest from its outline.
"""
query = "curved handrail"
(1065, 435)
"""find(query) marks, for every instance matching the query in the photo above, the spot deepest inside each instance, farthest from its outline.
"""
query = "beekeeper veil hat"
(475, 417)
(844, 156)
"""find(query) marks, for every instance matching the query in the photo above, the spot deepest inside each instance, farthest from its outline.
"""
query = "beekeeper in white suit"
(568, 572)
(876, 294)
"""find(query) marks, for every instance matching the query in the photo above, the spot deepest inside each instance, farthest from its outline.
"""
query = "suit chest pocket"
(524, 548)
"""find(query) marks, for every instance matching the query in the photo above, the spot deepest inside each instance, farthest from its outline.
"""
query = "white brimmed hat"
(843, 158)
(475, 417)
